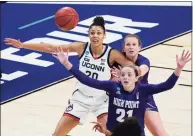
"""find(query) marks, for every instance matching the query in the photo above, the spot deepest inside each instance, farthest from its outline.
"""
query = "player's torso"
(95, 68)
(122, 105)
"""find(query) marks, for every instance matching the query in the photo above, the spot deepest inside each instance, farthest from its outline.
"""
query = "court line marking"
(185, 85)
(169, 68)
(36, 22)
(172, 45)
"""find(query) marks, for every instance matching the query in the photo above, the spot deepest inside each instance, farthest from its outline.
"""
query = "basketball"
(66, 18)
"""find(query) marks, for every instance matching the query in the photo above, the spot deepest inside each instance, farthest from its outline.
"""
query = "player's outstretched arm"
(45, 47)
(63, 58)
(117, 56)
(171, 81)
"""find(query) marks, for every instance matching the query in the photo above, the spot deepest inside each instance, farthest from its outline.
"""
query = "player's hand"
(13, 42)
(115, 79)
(116, 72)
(99, 126)
(60, 55)
(183, 59)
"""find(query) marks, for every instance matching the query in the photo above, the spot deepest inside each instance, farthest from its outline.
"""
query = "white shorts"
(80, 105)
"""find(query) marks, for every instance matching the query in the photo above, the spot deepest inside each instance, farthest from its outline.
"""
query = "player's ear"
(104, 35)
(136, 78)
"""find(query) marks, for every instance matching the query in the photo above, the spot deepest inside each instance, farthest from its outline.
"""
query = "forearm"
(178, 71)
(42, 47)
(168, 84)
(68, 65)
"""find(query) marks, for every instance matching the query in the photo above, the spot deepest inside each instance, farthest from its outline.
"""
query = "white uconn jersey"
(95, 68)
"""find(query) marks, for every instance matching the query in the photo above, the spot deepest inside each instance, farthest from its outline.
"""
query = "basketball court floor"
(37, 114)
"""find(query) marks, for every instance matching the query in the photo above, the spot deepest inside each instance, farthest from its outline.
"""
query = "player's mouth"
(125, 82)
(95, 41)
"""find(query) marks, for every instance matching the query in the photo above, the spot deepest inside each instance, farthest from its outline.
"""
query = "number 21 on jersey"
(122, 114)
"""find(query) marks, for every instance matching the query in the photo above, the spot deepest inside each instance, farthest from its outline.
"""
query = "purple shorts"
(150, 104)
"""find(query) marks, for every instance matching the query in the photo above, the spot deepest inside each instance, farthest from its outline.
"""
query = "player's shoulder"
(141, 57)
(142, 86)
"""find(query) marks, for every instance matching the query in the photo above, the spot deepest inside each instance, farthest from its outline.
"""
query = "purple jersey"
(122, 103)
(141, 60)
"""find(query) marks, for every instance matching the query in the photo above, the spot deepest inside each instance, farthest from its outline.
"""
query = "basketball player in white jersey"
(95, 61)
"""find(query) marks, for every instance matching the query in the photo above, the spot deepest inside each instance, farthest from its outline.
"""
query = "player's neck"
(129, 88)
(97, 51)
(132, 58)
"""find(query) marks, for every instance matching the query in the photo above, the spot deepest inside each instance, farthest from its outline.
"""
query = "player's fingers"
(7, 39)
(58, 49)
(94, 128)
(94, 122)
(115, 68)
(177, 58)
(115, 75)
(186, 54)
(55, 56)
(120, 67)
(183, 53)
(187, 57)
(67, 52)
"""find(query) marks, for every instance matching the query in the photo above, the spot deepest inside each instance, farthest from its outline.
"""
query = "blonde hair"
(136, 69)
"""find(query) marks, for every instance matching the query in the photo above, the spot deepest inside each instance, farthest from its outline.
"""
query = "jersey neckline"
(106, 47)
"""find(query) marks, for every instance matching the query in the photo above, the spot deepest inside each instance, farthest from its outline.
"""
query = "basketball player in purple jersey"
(131, 47)
(126, 98)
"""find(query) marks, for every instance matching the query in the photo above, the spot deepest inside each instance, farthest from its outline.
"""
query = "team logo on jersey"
(103, 60)
(86, 59)
(137, 95)
(86, 52)
(102, 63)
(118, 90)
(69, 108)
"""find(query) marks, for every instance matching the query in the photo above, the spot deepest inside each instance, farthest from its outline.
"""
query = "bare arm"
(117, 56)
(143, 69)
(45, 47)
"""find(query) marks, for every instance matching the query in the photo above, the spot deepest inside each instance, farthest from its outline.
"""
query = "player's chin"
(96, 44)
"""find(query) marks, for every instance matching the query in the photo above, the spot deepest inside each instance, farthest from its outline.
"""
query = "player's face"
(96, 35)
(128, 77)
(131, 47)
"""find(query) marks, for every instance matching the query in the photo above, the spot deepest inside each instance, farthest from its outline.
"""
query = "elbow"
(170, 87)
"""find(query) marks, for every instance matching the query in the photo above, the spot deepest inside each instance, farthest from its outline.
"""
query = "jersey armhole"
(108, 57)
(83, 51)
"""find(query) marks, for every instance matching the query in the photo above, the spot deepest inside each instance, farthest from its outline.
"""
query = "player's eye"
(130, 74)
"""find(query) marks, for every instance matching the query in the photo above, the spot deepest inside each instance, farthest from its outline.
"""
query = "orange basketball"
(66, 18)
